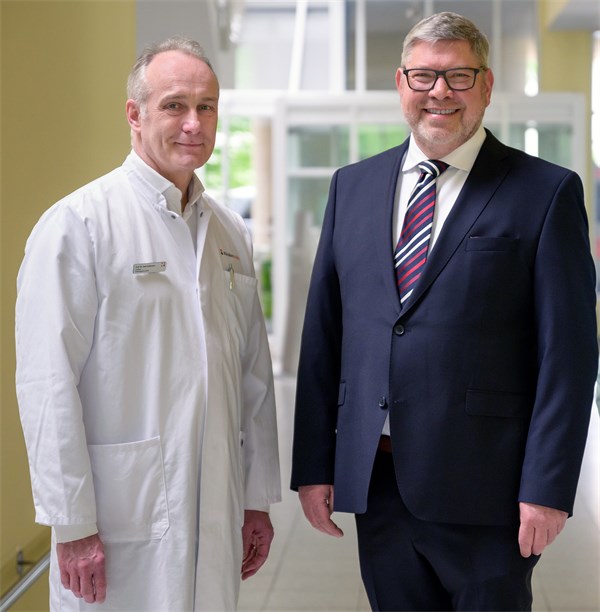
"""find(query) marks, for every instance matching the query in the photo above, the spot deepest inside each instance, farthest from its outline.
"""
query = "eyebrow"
(182, 96)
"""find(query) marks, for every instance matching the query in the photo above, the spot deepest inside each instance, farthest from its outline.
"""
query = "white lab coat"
(145, 391)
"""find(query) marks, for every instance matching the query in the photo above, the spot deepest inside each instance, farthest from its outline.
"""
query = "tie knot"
(433, 167)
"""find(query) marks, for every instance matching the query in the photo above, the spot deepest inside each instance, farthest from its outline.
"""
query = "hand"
(539, 527)
(317, 503)
(81, 564)
(257, 535)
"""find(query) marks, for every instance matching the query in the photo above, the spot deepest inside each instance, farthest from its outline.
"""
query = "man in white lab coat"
(143, 371)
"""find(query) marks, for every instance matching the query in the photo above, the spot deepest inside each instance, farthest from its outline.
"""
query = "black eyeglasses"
(457, 79)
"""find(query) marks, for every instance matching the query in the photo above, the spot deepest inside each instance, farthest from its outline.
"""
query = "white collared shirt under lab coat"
(145, 389)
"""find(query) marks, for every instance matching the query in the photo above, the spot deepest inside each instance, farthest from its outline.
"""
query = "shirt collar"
(462, 157)
(171, 194)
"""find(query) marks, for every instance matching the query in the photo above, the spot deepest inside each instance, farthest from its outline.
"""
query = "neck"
(184, 198)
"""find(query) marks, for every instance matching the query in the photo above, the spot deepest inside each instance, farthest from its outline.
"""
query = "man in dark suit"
(446, 396)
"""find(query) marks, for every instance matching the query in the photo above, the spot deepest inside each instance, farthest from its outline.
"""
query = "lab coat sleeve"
(259, 422)
(55, 315)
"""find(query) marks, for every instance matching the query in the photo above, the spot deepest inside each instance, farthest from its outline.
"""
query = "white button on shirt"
(448, 187)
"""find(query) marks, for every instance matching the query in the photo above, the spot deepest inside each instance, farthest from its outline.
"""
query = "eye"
(172, 106)
(422, 75)
(206, 109)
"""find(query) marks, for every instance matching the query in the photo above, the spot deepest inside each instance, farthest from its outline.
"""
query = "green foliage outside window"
(237, 145)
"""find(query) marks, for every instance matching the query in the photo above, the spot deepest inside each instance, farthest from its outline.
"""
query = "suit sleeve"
(319, 366)
(565, 298)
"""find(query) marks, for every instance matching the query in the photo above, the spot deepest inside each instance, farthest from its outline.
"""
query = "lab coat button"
(399, 329)
(383, 402)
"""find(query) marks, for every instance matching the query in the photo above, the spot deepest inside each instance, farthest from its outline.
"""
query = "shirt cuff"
(69, 533)
(260, 509)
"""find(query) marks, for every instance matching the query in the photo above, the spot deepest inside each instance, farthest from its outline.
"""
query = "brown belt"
(385, 444)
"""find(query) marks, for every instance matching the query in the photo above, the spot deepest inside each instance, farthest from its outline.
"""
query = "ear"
(134, 115)
(399, 75)
(489, 84)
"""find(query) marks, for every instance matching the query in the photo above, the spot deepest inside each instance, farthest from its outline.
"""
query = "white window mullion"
(295, 80)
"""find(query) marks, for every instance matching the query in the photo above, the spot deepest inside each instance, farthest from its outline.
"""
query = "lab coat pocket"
(131, 498)
(240, 294)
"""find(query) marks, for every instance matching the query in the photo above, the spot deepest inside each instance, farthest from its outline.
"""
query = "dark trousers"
(409, 564)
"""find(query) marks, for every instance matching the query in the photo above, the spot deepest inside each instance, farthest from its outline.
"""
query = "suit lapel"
(382, 219)
(487, 173)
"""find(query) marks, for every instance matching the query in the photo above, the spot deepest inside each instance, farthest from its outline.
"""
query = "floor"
(308, 570)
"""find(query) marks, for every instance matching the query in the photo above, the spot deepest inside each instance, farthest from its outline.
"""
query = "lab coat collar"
(171, 195)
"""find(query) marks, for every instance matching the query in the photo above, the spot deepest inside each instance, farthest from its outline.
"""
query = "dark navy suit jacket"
(487, 372)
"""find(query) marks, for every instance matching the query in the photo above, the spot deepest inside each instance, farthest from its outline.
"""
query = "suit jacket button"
(399, 329)
(382, 403)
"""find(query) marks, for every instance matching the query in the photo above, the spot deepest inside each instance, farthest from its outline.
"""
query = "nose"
(191, 123)
(440, 88)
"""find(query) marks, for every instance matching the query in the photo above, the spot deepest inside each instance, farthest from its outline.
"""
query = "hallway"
(308, 570)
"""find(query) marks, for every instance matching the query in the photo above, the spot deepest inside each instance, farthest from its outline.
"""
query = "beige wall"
(565, 65)
(62, 98)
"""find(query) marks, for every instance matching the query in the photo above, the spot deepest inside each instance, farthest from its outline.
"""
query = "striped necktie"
(411, 252)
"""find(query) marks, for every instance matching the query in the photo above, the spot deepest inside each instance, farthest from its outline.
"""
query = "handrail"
(17, 591)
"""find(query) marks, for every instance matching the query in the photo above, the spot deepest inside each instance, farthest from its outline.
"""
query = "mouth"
(441, 111)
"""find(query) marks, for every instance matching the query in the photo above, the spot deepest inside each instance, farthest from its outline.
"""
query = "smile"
(435, 111)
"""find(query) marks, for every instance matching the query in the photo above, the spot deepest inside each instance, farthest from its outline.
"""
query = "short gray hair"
(137, 86)
(447, 26)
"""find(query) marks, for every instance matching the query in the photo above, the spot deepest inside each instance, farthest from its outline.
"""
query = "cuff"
(68, 533)
(259, 509)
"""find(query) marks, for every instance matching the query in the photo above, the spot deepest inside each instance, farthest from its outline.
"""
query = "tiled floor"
(308, 570)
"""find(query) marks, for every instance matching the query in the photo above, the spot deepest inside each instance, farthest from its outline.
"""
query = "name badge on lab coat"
(149, 268)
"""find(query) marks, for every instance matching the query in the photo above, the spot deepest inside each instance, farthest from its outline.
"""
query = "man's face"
(175, 132)
(442, 119)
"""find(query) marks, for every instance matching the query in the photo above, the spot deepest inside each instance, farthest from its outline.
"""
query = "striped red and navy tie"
(411, 252)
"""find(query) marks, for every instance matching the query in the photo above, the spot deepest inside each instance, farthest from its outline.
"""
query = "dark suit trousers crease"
(409, 564)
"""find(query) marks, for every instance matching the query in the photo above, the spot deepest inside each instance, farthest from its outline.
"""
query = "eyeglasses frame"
(442, 73)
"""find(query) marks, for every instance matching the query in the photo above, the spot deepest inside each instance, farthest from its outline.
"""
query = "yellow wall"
(62, 99)
(565, 65)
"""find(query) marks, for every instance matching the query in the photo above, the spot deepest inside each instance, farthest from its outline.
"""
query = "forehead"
(441, 54)
(178, 72)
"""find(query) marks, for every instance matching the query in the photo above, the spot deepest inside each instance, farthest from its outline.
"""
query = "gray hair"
(447, 26)
(137, 86)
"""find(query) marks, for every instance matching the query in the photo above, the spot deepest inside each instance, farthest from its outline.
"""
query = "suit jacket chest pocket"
(492, 272)
(492, 244)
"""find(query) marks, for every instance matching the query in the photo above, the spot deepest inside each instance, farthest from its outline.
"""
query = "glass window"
(229, 173)
(307, 198)
(264, 50)
(323, 146)
(551, 142)
(373, 139)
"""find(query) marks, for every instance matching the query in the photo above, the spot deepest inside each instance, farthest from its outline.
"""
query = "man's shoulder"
(97, 188)
(83, 203)
(384, 159)
(521, 159)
